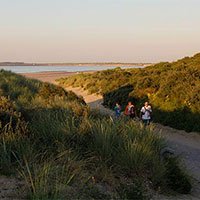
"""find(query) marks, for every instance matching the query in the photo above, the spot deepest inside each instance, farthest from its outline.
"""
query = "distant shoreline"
(74, 64)
(75, 68)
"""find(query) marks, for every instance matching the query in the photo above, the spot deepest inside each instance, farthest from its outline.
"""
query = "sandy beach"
(49, 76)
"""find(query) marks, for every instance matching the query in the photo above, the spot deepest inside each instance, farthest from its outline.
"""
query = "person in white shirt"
(145, 113)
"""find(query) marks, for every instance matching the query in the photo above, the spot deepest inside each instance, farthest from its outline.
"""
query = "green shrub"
(18, 88)
(10, 119)
(48, 91)
(13, 135)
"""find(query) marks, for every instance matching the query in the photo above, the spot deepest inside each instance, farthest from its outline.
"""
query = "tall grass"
(54, 177)
(125, 144)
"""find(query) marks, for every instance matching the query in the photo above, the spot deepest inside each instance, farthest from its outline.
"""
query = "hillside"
(58, 148)
(173, 89)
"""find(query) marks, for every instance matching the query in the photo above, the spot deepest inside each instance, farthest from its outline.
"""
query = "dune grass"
(173, 89)
(63, 150)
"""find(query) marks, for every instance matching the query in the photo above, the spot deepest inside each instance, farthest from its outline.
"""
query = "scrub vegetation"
(63, 150)
(173, 90)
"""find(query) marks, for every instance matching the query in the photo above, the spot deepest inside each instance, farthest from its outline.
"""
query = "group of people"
(130, 111)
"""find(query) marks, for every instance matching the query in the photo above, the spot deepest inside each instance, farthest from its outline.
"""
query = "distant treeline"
(173, 89)
(73, 64)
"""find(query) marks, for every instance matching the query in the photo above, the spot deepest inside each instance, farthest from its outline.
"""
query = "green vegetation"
(64, 150)
(173, 89)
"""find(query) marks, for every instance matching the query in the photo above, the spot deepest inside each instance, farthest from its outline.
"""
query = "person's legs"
(148, 122)
(144, 122)
(117, 115)
(132, 116)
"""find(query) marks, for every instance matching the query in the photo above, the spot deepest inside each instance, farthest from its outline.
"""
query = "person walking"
(145, 113)
(130, 110)
(127, 111)
(117, 110)
(133, 112)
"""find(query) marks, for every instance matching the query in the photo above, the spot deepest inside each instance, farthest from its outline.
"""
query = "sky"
(98, 30)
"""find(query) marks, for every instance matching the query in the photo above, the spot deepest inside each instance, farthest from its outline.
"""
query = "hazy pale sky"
(98, 30)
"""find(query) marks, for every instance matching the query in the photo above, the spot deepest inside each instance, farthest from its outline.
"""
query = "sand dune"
(185, 144)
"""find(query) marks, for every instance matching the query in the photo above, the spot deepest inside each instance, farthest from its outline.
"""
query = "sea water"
(35, 69)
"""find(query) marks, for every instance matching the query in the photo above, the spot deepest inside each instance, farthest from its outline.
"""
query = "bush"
(49, 91)
(18, 88)
(10, 119)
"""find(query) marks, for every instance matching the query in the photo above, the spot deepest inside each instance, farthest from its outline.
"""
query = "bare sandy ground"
(185, 144)
(11, 189)
(49, 76)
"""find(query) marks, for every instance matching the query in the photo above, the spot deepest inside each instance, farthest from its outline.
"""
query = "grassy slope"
(63, 150)
(173, 89)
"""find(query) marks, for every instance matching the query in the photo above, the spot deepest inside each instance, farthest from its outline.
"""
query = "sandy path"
(11, 189)
(94, 101)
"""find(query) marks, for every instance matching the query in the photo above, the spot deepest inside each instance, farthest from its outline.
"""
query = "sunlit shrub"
(10, 119)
